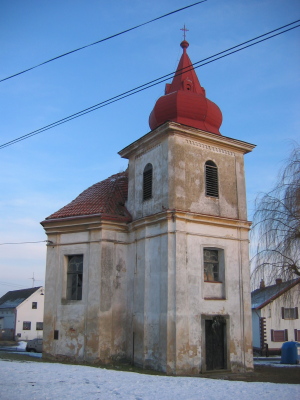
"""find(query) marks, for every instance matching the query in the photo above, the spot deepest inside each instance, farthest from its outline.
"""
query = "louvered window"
(147, 182)
(211, 179)
(279, 335)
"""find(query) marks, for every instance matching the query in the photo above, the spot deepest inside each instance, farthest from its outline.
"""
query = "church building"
(151, 265)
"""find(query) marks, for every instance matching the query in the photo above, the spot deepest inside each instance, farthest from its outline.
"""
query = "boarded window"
(74, 277)
(34, 305)
(211, 179)
(147, 182)
(279, 335)
(289, 313)
(39, 326)
(211, 265)
(26, 325)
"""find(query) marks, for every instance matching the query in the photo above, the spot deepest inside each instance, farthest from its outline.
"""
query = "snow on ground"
(21, 346)
(47, 381)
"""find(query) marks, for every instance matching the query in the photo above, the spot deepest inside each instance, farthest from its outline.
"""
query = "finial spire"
(184, 31)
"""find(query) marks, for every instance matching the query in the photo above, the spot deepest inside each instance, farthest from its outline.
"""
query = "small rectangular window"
(289, 313)
(55, 336)
(74, 277)
(34, 305)
(39, 326)
(211, 265)
(26, 325)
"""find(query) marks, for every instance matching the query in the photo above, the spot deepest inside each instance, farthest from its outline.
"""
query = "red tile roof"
(106, 198)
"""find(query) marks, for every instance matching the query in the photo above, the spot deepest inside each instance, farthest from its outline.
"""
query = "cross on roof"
(184, 31)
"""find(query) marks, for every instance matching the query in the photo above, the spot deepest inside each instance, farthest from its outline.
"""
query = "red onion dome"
(185, 101)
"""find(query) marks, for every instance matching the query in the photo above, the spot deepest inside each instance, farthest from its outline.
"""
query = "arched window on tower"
(147, 182)
(211, 179)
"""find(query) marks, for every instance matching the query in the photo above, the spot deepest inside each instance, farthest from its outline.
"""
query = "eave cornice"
(187, 132)
(83, 223)
(186, 216)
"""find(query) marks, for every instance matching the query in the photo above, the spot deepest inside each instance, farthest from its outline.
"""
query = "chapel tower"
(189, 235)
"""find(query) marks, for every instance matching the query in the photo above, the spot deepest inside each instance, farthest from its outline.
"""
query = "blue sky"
(257, 90)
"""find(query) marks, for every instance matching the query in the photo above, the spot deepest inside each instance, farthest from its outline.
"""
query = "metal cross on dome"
(184, 31)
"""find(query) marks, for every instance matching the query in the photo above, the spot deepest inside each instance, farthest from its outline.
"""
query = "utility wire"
(102, 40)
(41, 241)
(157, 81)
(12, 284)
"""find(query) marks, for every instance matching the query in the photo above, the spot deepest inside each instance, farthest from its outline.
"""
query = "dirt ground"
(261, 373)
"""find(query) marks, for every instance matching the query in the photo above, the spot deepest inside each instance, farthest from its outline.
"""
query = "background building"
(21, 314)
(275, 317)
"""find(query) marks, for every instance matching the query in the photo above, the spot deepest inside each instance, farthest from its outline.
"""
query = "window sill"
(214, 298)
(66, 302)
(213, 282)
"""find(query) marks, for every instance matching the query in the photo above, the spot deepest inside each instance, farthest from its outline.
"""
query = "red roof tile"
(106, 198)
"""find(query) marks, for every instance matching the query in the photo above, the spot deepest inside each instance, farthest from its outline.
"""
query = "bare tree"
(276, 226)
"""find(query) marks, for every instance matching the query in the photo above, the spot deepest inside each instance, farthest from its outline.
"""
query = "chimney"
(262, 284)
(278, 281)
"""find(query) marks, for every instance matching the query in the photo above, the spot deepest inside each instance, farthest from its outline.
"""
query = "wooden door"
(215, 332)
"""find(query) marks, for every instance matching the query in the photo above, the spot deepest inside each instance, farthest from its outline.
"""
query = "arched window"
(211, 179)
(147, 182)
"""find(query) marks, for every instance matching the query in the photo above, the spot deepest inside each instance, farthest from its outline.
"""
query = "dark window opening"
(55, 337)
(34, 305)
(211, 265)
(39, 326)
(74, 277)
(211, 179)
(147, 182)
(26, 325)
(289, 313)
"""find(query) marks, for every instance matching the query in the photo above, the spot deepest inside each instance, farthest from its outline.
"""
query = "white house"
(151, 265)
(275, 317)
(21, 314)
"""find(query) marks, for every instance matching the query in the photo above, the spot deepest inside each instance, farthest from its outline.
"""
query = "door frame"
(204, 318)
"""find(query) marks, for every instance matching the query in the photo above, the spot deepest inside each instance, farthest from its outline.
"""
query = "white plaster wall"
(94, 327)
(187, 179)
(169, 297)
(24, 312)
(157, 156)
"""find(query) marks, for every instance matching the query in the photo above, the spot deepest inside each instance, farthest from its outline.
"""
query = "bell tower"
(191, 305)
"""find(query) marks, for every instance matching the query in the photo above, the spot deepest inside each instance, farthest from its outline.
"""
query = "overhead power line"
(40, 241)
(102, 40)
(198, 64)
(12, 284)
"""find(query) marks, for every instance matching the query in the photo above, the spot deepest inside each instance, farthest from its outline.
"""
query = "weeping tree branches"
(276, 226)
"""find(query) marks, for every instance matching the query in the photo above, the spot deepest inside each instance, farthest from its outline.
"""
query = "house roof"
(15, 297)
(106, 199)
(263, 296)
